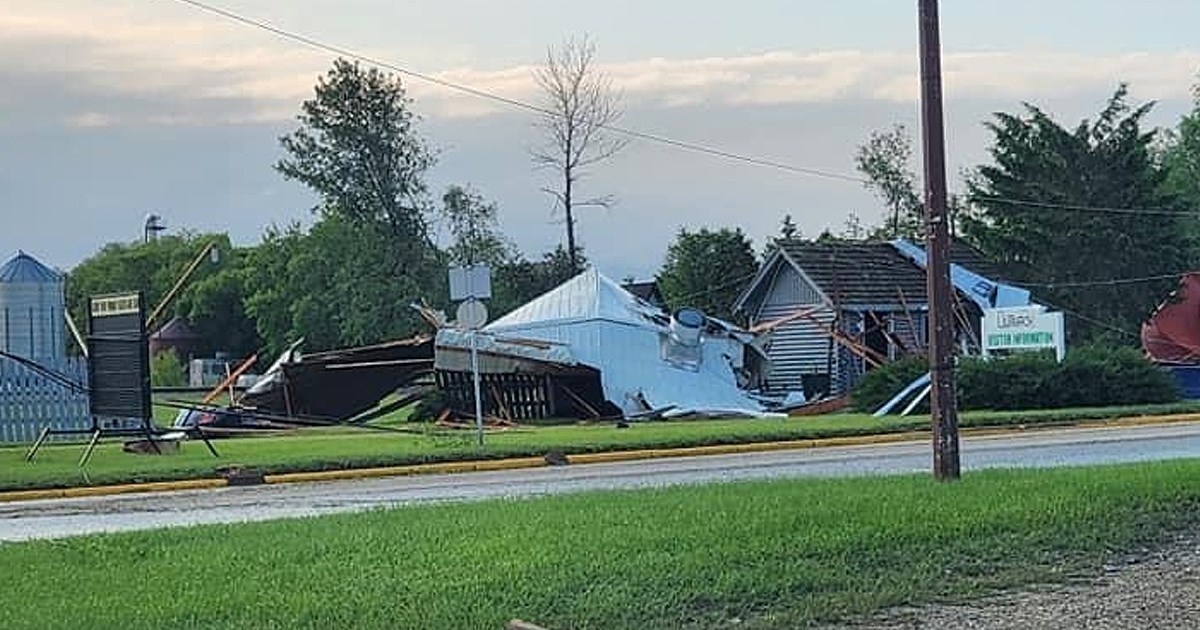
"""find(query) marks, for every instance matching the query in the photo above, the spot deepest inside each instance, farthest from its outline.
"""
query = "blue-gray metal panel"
(790, 290)
(797, 348)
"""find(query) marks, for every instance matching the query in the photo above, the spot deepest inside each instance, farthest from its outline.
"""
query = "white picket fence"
(30, 402)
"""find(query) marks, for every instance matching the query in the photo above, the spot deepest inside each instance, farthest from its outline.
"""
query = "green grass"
(779, 554)
(329, 449)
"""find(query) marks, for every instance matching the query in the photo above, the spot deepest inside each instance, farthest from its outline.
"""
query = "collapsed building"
(821, 314)
(590, 348)
(838, 309)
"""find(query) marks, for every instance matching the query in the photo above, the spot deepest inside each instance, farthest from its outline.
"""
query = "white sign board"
(470, 282)
(1023, 328)
(472, 314)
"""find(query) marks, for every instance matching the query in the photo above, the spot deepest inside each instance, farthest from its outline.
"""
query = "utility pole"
(937, 238)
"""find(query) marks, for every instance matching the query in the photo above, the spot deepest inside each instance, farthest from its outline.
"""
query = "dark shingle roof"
(856, 273)
(647, 291)
(176, 330)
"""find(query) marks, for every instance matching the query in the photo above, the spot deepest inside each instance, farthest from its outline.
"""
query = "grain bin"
(32, 322)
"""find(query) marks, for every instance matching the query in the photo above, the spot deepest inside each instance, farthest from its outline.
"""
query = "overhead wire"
(512, 102)
(1100, 283)
(1086, 208)
(696, 147)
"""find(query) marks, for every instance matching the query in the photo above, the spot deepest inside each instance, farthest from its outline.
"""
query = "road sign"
(472, 314)
(474, 281)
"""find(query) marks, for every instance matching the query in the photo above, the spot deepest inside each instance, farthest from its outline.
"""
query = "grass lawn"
(779, 554)
(327, 449)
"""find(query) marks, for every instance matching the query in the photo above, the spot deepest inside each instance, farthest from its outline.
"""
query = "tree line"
(1096, 218)
(1075, 212)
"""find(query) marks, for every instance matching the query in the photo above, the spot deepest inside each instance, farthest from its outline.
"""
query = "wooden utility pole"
(937, 238)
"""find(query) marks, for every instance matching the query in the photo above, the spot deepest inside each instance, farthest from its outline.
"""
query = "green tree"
(351, 278)
(707, 269)
(331, 286)
(154, 267)
(357, 147)
(1030, 212)
(1182, 156)
(886, 161)
(475, 229)
(166, 370)
(215, 305)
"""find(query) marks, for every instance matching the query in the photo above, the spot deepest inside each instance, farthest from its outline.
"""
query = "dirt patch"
(1151, 589)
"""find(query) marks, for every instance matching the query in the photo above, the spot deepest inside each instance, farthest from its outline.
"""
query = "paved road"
(67, 517)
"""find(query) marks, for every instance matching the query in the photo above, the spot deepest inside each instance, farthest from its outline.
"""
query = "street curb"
(514, 463)
(125, 488)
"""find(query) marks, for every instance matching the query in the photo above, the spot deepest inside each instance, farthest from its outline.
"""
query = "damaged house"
(590, 348)
(838, 309)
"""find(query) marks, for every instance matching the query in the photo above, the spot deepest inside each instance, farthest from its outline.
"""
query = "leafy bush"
(166, 370)
(1090, 376)
(880, 384)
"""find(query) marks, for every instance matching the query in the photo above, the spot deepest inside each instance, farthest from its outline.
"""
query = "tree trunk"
(570, 221)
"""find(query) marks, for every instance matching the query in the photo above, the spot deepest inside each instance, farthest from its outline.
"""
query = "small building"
(32, 310)
(178, 336)
(836, 309)
(646, 291)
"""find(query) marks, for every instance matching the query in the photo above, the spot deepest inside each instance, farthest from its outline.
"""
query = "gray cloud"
(103, 120)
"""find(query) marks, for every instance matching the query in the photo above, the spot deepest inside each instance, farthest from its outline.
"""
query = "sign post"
(118, 375)
(470, 285)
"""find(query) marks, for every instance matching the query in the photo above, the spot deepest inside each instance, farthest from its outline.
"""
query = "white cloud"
(120, 67)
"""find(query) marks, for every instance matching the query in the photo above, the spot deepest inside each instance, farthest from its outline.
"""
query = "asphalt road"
(67, 517)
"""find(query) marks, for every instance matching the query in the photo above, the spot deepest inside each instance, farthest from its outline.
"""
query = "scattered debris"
(165, 444)
(517, 624)
(820, 406)
(239, 475)
(340, 384)
(557, 458)
(590, 349)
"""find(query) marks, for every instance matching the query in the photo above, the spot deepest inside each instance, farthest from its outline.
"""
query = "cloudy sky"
(111, 109)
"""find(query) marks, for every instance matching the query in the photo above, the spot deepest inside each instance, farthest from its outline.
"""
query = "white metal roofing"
(606, 327)
(589, 295)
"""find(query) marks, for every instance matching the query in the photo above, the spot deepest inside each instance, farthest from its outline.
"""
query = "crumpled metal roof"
(26, 268)
(599, 324)
(588, 296)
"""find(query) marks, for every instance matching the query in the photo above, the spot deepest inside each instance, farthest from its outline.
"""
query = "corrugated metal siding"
(796, 348)
(900, 327)
(30, 402)
(849, 367)
(789, 290)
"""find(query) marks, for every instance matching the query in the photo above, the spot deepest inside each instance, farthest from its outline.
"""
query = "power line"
(511, 102)
(710, 290)
(1083, 208)
(1091, 320)
(1100, 283)
(695, 147)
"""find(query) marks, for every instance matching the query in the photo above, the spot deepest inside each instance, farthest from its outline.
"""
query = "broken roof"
(588, 296)
(867, 273)
(647, 291)
(592, 321)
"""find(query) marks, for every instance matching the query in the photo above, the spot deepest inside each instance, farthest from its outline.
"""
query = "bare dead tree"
(580, 103)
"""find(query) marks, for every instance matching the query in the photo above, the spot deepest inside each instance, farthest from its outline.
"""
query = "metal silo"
(32, 323)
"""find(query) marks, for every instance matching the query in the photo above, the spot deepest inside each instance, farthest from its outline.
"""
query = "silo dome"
(32, 304)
